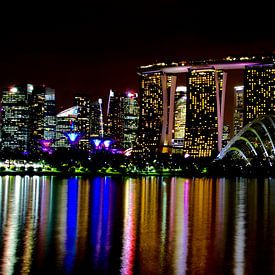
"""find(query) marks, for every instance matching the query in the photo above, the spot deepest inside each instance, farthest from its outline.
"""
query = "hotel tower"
(203, 108)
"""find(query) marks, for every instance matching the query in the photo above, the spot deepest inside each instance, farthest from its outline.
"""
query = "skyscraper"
(16, 118)
(42, 115)
(83, 104)
(205, 94)
(130, 118)
(50, 114)
(28, 117)
(180, 118)
(122, 118)
(238, 108)
(96, 119)
(259, 91)
(157, 92)
(114, 125)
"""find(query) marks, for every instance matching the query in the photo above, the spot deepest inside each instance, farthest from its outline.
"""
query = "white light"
(181, 89)
(29, 88)
(238, 88)
(13, 89)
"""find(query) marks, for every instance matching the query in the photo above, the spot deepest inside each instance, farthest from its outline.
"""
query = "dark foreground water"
(149, 225)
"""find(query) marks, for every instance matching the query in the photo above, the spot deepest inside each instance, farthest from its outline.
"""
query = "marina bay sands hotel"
(198, 108)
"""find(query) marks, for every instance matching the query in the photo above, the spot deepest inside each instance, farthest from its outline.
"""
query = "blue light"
(72, 210)
(96, 142)
(73, 136)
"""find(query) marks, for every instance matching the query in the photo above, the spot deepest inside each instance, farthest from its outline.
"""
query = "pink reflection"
(46, 192)
(172, 209)
(129, 234)
(185, 226)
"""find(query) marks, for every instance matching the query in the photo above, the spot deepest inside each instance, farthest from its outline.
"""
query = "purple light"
(45, 145)
(186, 156)
(107, 143)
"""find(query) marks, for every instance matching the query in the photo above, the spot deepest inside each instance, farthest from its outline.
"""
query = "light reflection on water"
(148, 225)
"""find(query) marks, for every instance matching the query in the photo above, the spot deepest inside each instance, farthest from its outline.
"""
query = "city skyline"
(92, 48)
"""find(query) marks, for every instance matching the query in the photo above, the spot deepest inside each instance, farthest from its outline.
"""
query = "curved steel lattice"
(255, 140)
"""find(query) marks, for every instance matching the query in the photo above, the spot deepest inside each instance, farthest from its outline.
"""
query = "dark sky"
(94, 47)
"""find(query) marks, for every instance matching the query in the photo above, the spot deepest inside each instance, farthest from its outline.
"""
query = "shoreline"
(136, 174)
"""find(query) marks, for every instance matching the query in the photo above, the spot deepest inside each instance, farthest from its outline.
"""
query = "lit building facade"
(83, 124)
(96, 119)
(65, 122)
(122, 118)
(130, 118)
(157, 99)
(205, 103)
(43, 116)
(225, 135)
(50, 114)
(238, 109)
(16, 118)
(28, 117)
(259, 91)
(36, 112)
(114, 125)
(180, 117)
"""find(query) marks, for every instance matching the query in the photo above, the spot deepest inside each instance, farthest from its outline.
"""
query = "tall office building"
(28, 116)
(259, 91)
(83, 104)
(114, 126)
(36, 112)
(16, 118)
(180, 118)
(238, 115)
(49, 114)
(130, 118)
(42, 116)
(122, 118)
(96, 119)
(205, 103)
(157, 94)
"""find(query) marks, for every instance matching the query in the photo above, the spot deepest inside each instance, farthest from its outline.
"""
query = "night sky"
(94, 47)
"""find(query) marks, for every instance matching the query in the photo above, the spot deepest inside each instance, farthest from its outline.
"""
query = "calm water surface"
(148, 225)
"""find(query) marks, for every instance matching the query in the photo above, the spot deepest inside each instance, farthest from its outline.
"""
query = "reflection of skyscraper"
(180, 117)
(259, 91)
(205, 102)
(239, 108)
